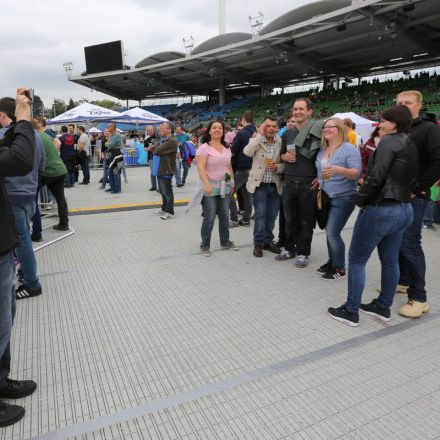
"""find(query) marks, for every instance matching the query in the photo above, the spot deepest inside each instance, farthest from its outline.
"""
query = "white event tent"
(138, 115)
(84, 113)
(363, 126)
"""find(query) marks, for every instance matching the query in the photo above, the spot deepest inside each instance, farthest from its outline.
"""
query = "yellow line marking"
(121, 206)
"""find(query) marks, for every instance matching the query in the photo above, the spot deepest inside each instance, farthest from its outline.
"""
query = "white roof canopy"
(138, 115)
(83, 113)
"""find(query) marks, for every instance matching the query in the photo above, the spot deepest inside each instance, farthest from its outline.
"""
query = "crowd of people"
(312, 172)
(316, 173)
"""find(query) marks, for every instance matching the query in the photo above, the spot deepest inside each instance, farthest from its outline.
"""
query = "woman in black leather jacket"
(385, 214)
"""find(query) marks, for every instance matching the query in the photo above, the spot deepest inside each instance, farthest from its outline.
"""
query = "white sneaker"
(158, 212)
(167, 216)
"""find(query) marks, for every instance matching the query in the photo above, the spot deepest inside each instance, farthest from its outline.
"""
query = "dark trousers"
(84, 163)
(240, 199)
(299, 205)
(281, 228)
(411, 256)
(240, 180)
(7, 312)
(166, 191)
(56, 187)
(37, 227)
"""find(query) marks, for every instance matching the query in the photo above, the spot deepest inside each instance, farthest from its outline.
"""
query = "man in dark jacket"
(425, 133)
(22, 193)
(167, 152)
(17, 152)
(241, 165)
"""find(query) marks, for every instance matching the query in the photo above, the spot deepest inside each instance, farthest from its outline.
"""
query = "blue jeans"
(411, 258)
(24, 252)
(382, 227)
(7, 312)
(177, 173)
(267, 205)
(69, 179)
(153, 179)
(185, 169)
(114, 180)
(70, 163)
(212, 206)
(431, 214)
(166, 191)
(340, 211)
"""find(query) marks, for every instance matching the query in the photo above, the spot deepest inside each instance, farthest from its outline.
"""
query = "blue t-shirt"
(347, 156)
(182, 138)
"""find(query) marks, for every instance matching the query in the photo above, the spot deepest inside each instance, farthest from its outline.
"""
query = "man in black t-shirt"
(299, 148)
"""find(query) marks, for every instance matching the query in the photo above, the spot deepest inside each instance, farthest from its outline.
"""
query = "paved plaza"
(138, 336)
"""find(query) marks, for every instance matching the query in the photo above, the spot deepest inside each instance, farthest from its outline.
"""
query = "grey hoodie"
(23, 189)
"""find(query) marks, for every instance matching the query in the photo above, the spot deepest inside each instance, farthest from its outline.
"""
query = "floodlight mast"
(221, 16)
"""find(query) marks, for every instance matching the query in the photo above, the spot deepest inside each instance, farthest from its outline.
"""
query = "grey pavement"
(138, 336)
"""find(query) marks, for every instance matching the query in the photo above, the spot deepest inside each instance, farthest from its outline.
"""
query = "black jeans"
(84, 163)
(56, 186)
(166, 191)
(240, 180)
(299, 205)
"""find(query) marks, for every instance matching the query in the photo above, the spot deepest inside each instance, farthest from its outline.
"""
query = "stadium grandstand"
(338, 47)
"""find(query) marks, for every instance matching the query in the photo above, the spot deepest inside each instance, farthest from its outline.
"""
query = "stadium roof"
(321, 39)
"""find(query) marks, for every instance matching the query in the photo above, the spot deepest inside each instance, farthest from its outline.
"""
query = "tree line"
(60, 106)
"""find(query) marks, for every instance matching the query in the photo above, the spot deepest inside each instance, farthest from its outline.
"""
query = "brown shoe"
(258, 250)
(399, 289)
(414, 309)
(271, 247)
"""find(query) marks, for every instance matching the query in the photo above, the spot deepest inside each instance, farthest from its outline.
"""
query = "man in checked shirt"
(265, 183)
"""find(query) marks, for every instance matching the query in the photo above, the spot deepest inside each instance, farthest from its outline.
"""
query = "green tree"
(72, 104)
(38, 107)
(58, 107)
(106, 103)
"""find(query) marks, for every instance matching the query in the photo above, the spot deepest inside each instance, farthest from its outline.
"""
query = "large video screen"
(104, 57)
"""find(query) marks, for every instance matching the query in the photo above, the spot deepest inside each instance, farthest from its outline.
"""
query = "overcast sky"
(38, 36)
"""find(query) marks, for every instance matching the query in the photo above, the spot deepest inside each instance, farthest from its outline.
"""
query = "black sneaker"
(373, 309)
(241, 222)
(325, 268)
(24, 292)
(341, 314)
(334, 274)
(60, 227)
(10, 414)
(16, 389)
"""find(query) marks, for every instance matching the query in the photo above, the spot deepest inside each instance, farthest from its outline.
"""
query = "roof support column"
(221, 92)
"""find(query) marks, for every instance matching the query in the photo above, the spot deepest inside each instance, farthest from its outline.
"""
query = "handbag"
(323, 202)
